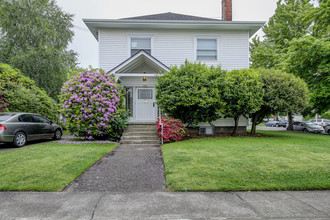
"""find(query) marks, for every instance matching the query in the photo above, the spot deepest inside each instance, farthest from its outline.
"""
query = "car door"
(300, 126)
(295, 126)
(45, 130)
(26, 122)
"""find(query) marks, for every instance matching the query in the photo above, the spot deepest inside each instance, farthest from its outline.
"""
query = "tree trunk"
(254, 124)
(236, 126)
(290, 126)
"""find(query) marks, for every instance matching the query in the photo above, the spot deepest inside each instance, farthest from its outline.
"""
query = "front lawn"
(47, 166)
(278, 161)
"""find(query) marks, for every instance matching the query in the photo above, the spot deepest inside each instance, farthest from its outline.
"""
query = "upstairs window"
(207, 49)
(138, 44)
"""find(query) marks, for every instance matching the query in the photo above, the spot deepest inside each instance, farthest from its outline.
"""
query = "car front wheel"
(19, 139)
(305, 130)
(57, 135)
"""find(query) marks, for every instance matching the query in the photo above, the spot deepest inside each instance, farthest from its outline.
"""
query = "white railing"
(161, 125)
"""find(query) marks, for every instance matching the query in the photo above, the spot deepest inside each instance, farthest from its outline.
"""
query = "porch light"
(144, 78)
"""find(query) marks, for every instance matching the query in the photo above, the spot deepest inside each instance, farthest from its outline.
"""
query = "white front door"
(145, 104)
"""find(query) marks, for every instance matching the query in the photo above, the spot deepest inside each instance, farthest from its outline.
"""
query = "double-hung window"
(138, 44)
(207, 49)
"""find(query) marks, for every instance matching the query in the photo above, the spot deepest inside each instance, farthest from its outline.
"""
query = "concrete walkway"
(165, 205)
(135, 165)
(127, 168)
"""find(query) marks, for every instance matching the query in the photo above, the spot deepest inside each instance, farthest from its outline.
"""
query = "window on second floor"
(207, 49)
(138, 44)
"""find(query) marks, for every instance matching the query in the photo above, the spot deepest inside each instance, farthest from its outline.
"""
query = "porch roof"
(140, 63)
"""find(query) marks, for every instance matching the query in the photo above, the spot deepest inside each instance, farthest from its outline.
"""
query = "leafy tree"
(309, 58)
(326, 115)
(321, 17)
(291, 20)
(191, 93)
(283, 93)
(242, 94)
(21, 94)
(34, 37)
(296, 41)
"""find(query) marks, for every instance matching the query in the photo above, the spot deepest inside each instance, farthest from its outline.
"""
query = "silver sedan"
(307, 127)
(18, 128)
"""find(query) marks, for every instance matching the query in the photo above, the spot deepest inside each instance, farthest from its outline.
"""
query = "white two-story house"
(137, 49)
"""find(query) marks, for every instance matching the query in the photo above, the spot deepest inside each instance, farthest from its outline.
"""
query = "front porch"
(138, 76)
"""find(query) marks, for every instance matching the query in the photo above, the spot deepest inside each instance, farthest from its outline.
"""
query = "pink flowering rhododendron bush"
(92, 105)
(173, 129)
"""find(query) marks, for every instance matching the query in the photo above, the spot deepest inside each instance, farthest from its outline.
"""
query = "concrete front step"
(142, 133)
(140, 145)
(140, 142)
(139, 129)
(143, 126)
(153, 137)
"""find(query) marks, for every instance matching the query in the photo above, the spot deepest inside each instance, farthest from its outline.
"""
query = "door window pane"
(129, 100)
(25, 118)
(40, 119)
(145, 94)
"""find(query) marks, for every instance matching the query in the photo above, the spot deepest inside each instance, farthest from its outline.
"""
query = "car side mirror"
(50, 122)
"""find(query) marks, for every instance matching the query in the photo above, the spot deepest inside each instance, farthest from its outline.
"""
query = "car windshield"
(5, 116)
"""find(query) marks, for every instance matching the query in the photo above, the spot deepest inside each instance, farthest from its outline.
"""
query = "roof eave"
(95, 24)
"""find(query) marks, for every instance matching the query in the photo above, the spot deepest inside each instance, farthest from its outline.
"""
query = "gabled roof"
(169, 16)
(137, 61)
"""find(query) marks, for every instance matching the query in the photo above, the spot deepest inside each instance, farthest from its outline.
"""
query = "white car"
(321, 122)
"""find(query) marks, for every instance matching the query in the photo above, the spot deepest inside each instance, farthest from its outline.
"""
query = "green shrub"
(92, 105)
(21, 94)
(173, 129)
(3, 104)
(191, 93)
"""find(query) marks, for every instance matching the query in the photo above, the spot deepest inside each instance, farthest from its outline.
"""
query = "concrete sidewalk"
(165, 205)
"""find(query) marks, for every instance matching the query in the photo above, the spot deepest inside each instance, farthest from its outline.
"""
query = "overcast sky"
(86, 45)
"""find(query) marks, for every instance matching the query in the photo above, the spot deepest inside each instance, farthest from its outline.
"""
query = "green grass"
(262, 124)
(278, 161)
(47, 166)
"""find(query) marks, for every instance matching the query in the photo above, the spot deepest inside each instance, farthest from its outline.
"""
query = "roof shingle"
(170, 16)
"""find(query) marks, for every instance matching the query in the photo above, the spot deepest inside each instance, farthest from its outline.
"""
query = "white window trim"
(129, 42)
(208, 37)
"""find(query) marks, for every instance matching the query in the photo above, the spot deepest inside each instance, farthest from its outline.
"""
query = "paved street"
(165, 205)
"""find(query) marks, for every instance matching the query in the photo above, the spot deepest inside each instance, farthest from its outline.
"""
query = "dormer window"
(138, 44)
(207, 49)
